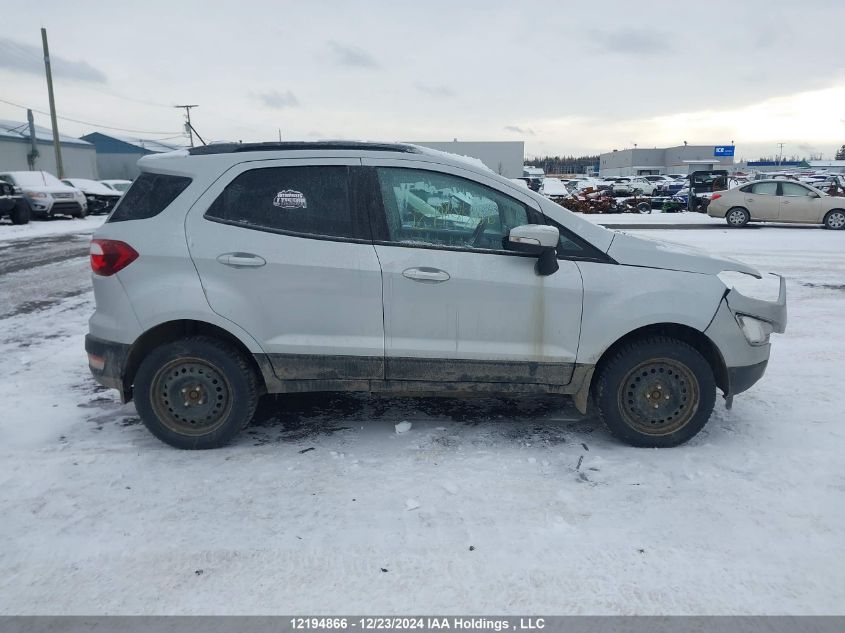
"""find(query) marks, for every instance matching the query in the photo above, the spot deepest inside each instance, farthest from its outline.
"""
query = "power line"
(24, 49)
(106, 127)
(132, 99)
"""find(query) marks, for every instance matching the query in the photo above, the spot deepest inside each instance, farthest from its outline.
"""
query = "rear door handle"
(241, 260)
(426, 275)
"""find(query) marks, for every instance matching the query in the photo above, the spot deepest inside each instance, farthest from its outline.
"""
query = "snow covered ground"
(482, 506)
(655, 217)
(54, 226)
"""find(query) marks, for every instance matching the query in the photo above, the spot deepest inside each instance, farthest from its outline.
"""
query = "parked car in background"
(232, 270)
(554, 189)
(12, 204)
(658, 179)
(671, 187)
(118, 185)
(534, 177)
(45, 195)
(631, 185)
(606, 184)
(100, 198)
(777, 201)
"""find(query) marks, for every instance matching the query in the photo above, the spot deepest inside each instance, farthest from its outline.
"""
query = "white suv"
(233, 270)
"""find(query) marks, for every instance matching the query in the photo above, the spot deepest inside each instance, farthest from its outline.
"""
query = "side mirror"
(539, 240)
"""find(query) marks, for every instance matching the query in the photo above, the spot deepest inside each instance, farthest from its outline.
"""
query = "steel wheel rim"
(190, 396)
(836, 220)
(736, 217)
(658, 397)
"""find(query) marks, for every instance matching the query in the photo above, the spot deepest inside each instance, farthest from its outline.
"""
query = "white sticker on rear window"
(290, 199)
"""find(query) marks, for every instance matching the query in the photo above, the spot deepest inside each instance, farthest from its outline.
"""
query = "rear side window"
(311, 200)
(148, 196)
(765, 188)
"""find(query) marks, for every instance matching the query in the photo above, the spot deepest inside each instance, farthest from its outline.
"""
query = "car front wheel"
(20, 214)
(655, 392)
(196, 393)
(835, 220)
(737, 217)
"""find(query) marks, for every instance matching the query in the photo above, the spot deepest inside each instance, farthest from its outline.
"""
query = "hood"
(637, 251)
(97, 189)
(49, 188)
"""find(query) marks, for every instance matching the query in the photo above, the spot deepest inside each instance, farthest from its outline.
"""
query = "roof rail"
(275, 146)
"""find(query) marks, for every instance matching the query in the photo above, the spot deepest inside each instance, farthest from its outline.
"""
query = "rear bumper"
(107, 362)
(743, 378)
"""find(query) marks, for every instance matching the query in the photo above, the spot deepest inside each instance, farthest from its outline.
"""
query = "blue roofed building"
(117, 157)
(78, 156)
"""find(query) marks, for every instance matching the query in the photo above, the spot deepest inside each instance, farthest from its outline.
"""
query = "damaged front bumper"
(772, 312)
(745, 362)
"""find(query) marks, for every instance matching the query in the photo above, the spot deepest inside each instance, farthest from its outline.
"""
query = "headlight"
(36, 194)
(756, 331)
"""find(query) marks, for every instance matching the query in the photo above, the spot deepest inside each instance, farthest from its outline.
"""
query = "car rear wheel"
(655, 392)
(20, 214)
(196, 393)
(737, 217)
(835, 220)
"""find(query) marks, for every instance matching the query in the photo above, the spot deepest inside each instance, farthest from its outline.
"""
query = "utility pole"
(59, 167)
(33, 151)
(780, 155)
(188, 118)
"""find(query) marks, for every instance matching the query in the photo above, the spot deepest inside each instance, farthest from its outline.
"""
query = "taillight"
(716, 196)
(110, 256)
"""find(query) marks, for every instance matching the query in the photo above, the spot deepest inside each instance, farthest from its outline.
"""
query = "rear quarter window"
(148, 196)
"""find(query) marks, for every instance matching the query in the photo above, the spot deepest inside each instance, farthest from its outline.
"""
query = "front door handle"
(426, 275)
(241, 260)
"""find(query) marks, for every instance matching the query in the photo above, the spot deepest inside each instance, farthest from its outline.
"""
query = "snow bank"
(57, 226)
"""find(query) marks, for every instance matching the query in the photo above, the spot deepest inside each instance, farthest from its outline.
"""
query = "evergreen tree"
(840, 155)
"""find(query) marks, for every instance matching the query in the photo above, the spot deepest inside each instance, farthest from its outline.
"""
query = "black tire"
(80, 214)
(20, 214)
(658, 372)
(835, 220)
(196, 393)
(737, 217)
(644, 207)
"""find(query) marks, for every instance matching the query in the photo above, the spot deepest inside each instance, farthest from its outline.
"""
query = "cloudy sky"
(565, 77)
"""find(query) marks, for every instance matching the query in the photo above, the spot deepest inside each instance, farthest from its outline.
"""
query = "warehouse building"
(78, 157)
(682, 159)
(503, 157)
(117, 158)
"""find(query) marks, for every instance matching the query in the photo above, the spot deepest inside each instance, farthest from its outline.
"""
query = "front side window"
(765, 188)
(431, 208)
(793, 190)
(312, 200)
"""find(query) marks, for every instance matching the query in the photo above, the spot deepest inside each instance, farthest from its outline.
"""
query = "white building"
(78, 157)
(503, 157)
(681, 159)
